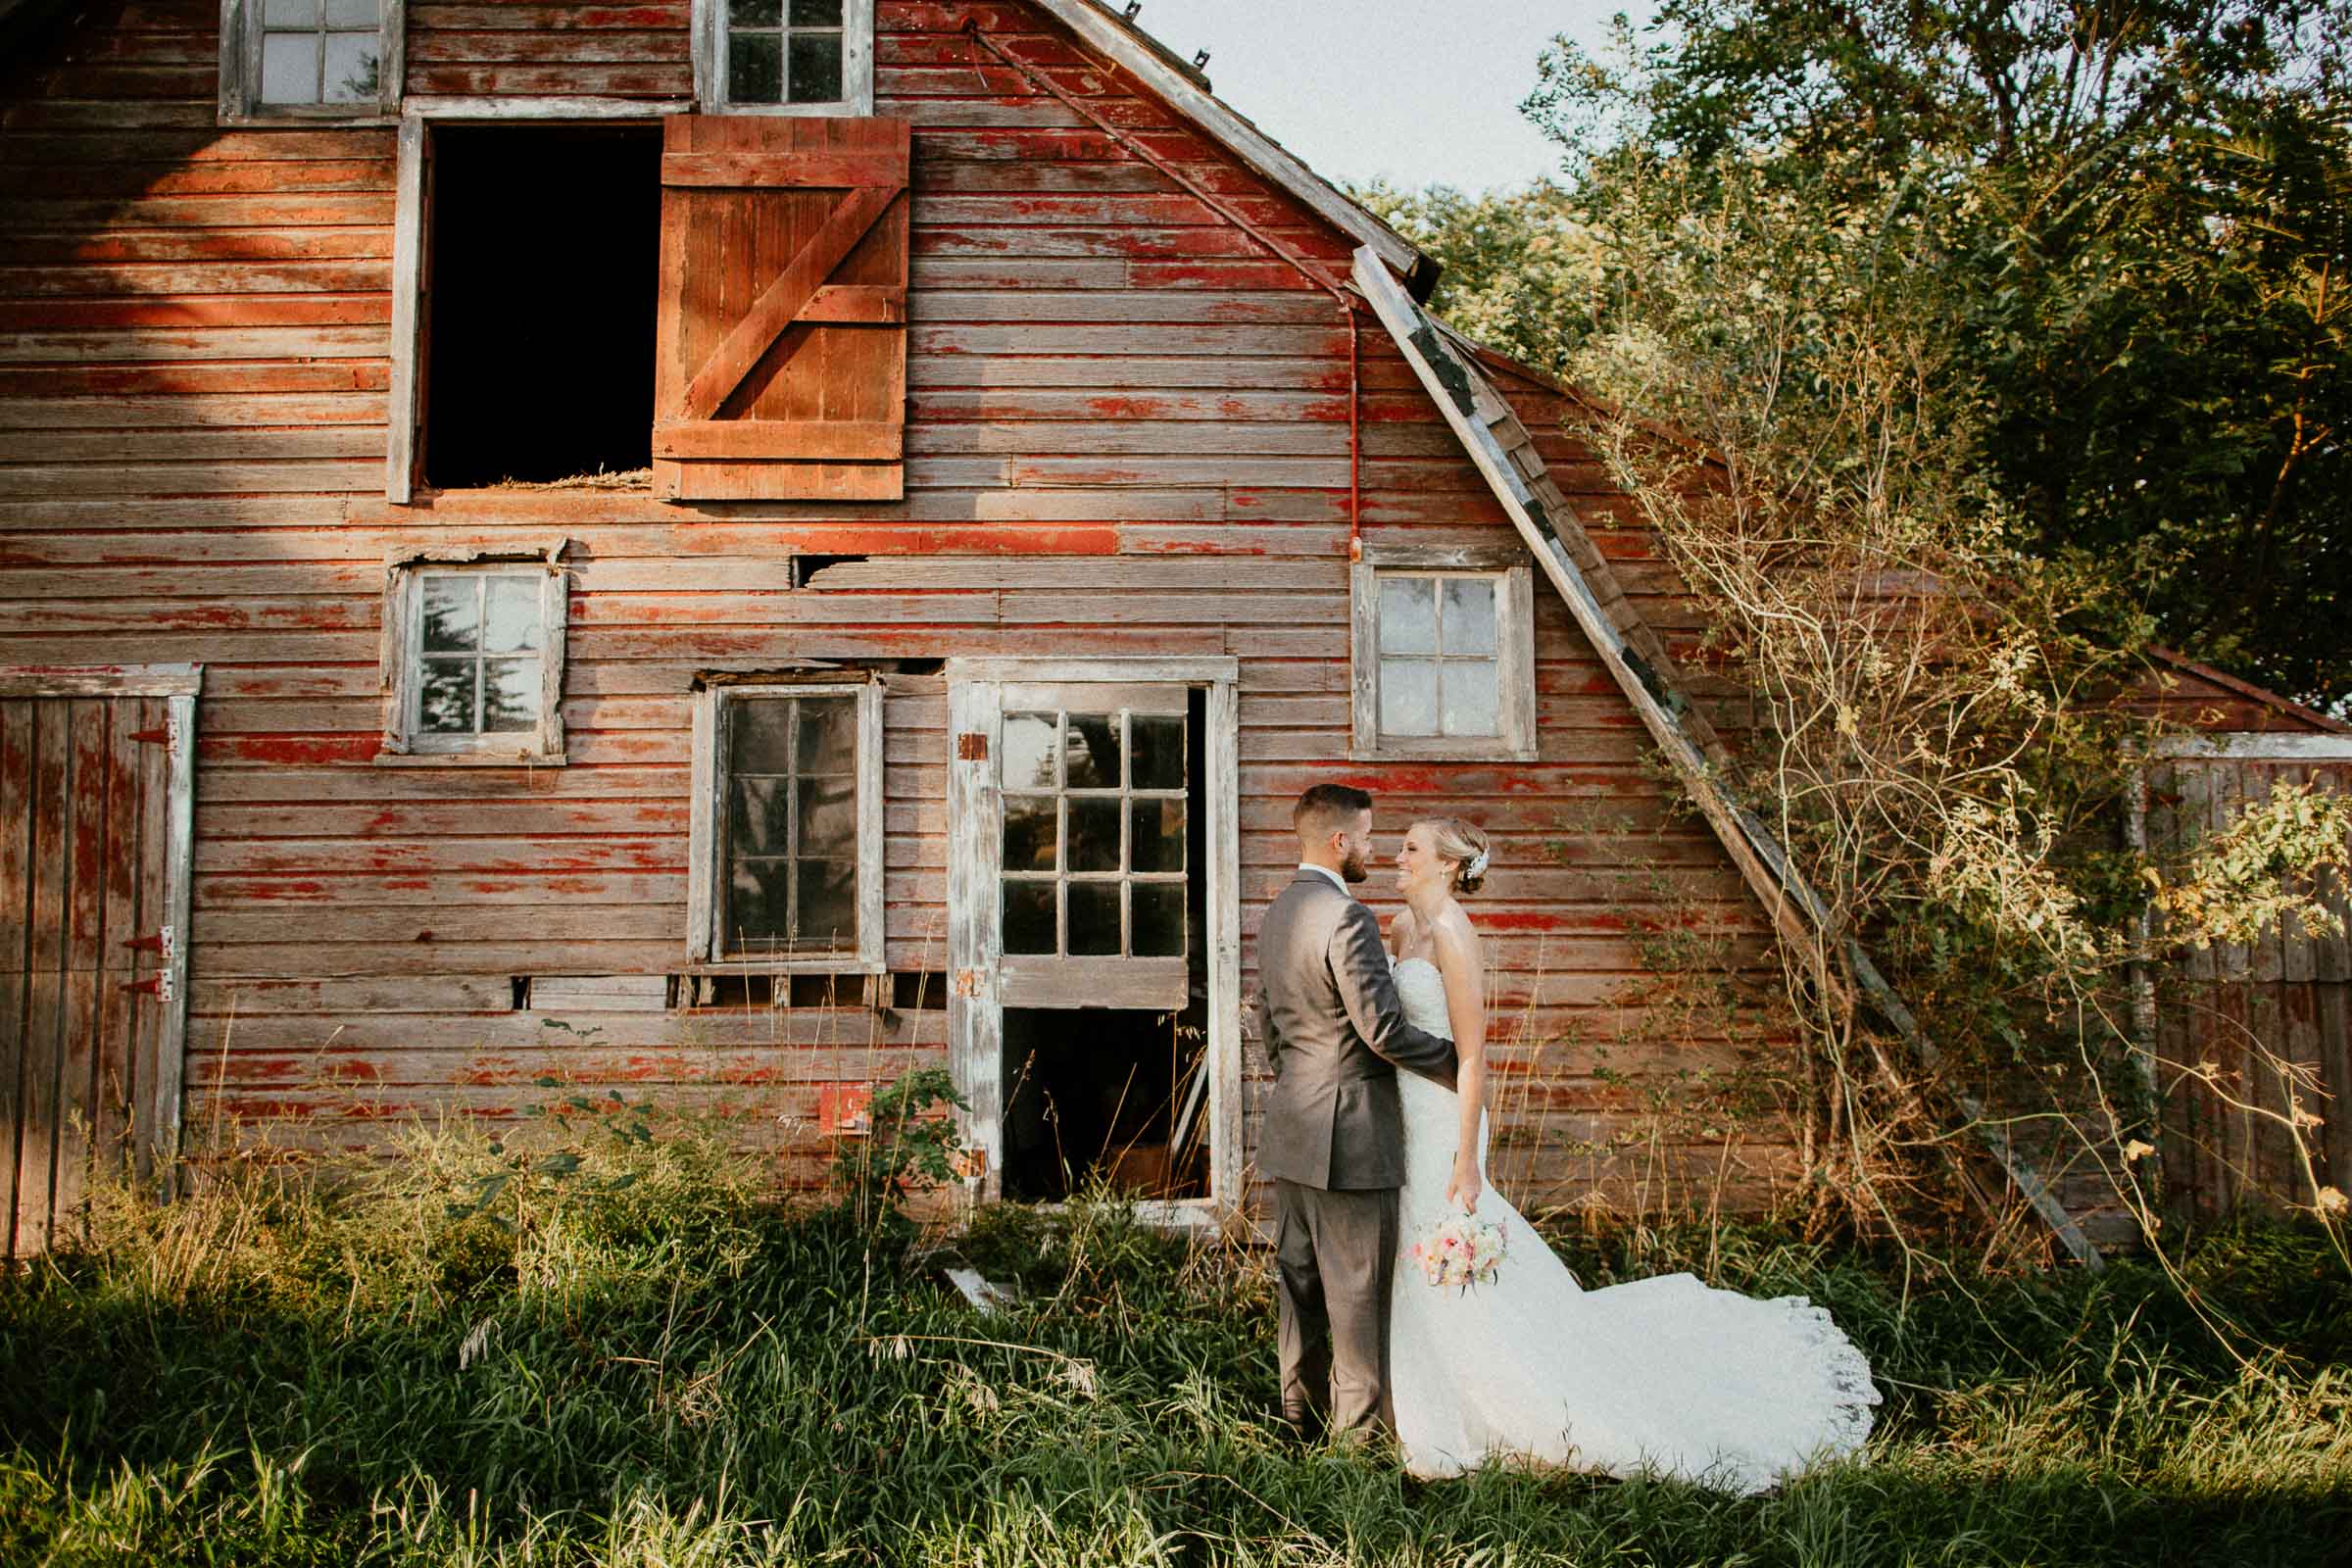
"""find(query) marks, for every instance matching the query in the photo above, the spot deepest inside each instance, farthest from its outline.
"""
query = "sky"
(1417, 93)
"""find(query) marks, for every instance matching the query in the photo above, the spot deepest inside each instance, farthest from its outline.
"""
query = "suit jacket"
(1336, 1034)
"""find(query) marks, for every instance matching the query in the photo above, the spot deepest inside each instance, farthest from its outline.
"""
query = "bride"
(1664, 1374)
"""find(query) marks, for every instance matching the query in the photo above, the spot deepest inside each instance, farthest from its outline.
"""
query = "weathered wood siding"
(1128, 432)
(2253, 1042)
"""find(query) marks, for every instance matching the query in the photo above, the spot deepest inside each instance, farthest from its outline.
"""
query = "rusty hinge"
(972, 746)
(166, 737)
(154, 943)
(153, 983)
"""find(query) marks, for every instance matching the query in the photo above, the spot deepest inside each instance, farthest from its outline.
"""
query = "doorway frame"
(975, 947)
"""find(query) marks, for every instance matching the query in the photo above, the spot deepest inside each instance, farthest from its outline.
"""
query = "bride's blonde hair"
(1463, 844)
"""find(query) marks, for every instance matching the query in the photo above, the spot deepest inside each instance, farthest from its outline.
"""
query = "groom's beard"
(1352, 870)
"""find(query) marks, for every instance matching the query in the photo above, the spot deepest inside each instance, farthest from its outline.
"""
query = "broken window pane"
(1091, 754)
(1031, 749)
(1095, 921)
(815, 68)
(1469, 615)
(1158, 837)
(1158, 919)
(1158, 763)
(1029, 917)
(1032, 833)
(1093, 835)
(1470, 697)
(1408, 697)
(1408, 615)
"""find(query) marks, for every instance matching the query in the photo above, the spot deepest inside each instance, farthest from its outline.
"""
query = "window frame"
(1508, 568)
(240, 87)
(403, 658)
(706, 946)
(709, 49)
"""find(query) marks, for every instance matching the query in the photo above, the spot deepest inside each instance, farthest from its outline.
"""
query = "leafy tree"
(2137, 214)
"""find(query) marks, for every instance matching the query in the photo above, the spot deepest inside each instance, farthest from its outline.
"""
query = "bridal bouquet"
(1458, 1251)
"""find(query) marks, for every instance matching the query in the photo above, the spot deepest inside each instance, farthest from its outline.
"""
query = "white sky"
(1419, 93)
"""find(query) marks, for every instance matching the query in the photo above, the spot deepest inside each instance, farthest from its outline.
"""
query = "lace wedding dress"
(1662, 1374)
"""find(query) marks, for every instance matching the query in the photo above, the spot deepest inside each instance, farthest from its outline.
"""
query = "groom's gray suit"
(1334, 1142)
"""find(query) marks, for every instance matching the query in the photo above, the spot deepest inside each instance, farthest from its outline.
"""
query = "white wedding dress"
(1666, 1375)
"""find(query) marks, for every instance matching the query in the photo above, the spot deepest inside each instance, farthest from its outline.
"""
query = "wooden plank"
(839, 440)
(17, 790)
(836, 168)
(406, 347)
(2332, 1012)
(976, 1015)
(44, 1011)
(748, 341)
(81, 956)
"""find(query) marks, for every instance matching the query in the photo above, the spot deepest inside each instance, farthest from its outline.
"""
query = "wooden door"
(1034, 745)
(94, 834)
(780, 357)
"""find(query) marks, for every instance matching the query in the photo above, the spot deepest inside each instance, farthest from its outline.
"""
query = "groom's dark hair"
(1326, 807)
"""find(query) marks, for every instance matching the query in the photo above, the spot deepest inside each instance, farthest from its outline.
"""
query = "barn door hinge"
(168, 737)
(160, 944)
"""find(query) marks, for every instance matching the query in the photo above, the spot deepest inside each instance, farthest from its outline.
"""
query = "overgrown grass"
(630, 1358)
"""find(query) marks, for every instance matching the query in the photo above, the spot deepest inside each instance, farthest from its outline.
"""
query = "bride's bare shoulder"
(1453, 928)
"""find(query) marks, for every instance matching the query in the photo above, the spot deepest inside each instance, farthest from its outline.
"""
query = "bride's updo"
(1463, 844)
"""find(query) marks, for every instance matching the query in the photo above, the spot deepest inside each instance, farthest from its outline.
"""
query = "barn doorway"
(1094, 1012)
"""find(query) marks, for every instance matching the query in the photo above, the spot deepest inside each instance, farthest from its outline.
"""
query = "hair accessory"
(1477, 866)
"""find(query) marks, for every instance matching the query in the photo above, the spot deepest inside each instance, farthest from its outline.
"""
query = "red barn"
(743, 549)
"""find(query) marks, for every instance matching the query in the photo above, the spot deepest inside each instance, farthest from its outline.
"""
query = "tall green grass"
(618, 1353)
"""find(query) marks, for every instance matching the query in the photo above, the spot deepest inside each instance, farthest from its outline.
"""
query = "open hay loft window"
(785, 854)
(537, 302)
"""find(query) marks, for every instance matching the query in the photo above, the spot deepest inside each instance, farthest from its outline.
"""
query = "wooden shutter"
(781, 366)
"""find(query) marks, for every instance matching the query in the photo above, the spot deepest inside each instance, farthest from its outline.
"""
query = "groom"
(1334, 1131)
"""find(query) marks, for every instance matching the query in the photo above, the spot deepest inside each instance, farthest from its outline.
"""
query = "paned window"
(477, 655)
(1094, 857)
(786, 56)
(787, 828)
(1444, 658)
(331, 59)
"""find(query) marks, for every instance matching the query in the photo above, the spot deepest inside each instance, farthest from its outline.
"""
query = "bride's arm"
(1466, 1011)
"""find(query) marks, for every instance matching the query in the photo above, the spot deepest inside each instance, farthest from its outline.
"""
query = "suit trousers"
(1336, 1253)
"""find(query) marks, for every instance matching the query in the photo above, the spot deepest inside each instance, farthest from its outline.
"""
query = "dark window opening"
(539, 303)
(778, 991)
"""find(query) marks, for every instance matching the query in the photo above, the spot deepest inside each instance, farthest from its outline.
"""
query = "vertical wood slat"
(44, 1011)
(120, 1016)
(975, 848)
(172, 854)
(82, 951)
(16, 934)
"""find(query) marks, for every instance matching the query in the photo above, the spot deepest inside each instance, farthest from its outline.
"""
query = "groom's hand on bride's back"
(1360, 966)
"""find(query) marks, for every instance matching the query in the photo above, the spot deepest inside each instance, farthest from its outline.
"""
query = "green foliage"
(720, 1382)
(907, 1147)
(2136, 216)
